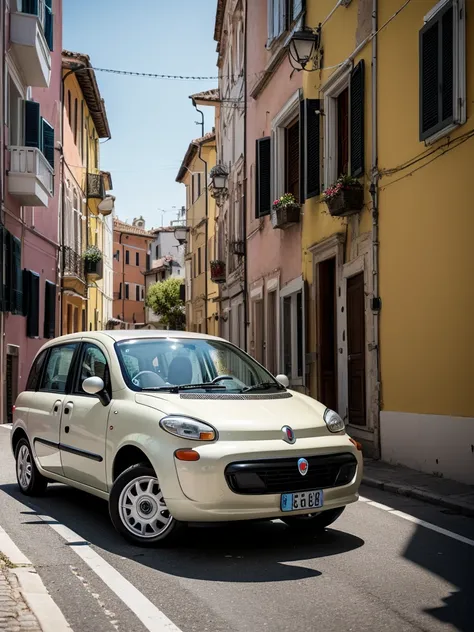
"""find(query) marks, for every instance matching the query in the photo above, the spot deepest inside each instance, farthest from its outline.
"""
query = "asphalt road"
(374, 570)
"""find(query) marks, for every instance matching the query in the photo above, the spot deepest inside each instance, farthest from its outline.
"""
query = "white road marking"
(152, 618)
(6, 426)
(421, 523)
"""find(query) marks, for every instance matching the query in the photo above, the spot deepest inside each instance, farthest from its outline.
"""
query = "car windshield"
(175, 364)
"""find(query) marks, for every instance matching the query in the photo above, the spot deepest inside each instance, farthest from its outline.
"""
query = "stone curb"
(32, 589)
(466, 509)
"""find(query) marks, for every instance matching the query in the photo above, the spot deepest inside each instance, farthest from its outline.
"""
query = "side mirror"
(95, 386)
(283, 380)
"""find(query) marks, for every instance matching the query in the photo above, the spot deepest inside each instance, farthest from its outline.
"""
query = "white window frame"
(275, 19)
(293, 289)
(459, 57)
(331, 90)
(287, 114)
(12, 73)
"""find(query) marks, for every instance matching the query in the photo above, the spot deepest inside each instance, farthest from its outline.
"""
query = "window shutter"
(17, 277)
(31, 308)
(311, 163)
(429, 73)
(48, 142)
(263, 200)
(447, 65)
(30, 6)
(48, 23)
(49, 310)
(357, 113)
(302, 153)
(2, 269)
(32, 124)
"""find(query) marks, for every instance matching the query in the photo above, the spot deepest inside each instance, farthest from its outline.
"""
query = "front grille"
(279, 476)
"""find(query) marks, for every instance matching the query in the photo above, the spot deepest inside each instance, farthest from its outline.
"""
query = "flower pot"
(346, 202)
(94, 269)
(218, 272)
(286, 215)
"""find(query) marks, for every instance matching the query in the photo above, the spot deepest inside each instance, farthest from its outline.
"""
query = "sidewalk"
(406, 482)
(25, 604)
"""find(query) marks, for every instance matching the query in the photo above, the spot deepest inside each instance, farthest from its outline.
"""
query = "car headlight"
(188, 428)
(333, 421)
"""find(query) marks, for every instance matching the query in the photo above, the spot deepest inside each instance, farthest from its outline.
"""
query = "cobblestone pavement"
(15, 616)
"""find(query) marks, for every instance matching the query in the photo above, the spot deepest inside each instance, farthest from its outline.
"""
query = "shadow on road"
(251, 552)
(441, 556)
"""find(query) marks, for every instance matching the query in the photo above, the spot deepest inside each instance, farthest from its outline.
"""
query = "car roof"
(131, 334)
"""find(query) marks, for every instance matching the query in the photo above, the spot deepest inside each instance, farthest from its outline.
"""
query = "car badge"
(303, 467)
(288, 434)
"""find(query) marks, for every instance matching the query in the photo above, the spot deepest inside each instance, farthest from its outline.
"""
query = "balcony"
(94, 270)
(30, 47)
(73, 264)
(31, 177)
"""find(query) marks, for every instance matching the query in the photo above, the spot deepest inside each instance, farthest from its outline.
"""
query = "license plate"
(301, 500)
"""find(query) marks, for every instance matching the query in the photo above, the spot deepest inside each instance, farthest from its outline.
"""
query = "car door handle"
(68, 408)
(57, 406)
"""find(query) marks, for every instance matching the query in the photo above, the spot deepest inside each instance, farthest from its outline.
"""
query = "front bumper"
(207, 497)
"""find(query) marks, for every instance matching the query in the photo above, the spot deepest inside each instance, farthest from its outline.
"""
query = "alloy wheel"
(24, 467)
(142, 508)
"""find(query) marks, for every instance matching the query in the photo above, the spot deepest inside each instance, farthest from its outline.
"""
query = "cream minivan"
(175, 427)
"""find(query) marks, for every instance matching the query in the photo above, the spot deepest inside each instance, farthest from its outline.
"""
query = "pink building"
(275, 282)
(30, 174)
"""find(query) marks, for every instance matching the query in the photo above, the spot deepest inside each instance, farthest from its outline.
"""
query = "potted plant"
(217, 271)
(285, 211)
(344, 197)
(93, 259)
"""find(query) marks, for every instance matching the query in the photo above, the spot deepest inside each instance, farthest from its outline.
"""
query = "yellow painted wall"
(79, 165)
(195, 216)
(339, 40)
(426, 228)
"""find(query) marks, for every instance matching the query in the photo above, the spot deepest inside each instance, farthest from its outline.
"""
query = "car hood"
(243, 418)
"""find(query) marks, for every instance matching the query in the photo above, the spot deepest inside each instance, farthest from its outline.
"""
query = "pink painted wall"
(268, 249)
(38, 227)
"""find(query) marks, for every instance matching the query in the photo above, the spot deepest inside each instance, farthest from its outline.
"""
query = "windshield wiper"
(176, 388)
(263, 386)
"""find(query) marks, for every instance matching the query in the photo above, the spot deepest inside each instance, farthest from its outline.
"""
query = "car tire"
(313, 522)
(138, 511)
(30, 481)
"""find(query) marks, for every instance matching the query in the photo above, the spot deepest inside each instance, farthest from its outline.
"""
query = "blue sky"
(152, 121)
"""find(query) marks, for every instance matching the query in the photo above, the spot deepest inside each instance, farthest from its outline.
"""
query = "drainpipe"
(206, 228)
(244, 222)
(375, 227)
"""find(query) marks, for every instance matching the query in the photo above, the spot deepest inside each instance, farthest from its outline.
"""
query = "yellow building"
(390, 315)
(202, 311)
(87, 290)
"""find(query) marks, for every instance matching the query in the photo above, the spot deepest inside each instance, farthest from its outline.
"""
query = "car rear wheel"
(313, 522)
(138, 510)
(30, 481)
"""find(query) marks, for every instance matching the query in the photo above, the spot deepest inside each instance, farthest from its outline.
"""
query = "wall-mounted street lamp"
(304, 45)
(218, 176)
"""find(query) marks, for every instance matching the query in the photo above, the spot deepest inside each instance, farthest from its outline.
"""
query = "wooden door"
(259, 332)
(271, 333)
(356, 349)
(327, 333)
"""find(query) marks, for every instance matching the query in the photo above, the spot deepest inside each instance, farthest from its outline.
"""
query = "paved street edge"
(420, 494)
(34, 592)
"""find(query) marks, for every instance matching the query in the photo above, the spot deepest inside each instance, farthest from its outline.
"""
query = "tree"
(164, 299)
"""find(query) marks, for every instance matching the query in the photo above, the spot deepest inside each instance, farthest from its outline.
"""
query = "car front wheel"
(313, 522)
(30, 481)
(138, 510)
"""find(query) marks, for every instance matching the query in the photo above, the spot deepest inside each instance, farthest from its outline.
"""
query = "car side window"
(93, 364)
(58, 367)
(35, 373)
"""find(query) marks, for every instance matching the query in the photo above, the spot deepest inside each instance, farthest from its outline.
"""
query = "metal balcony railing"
(31, 161)
(73, 263)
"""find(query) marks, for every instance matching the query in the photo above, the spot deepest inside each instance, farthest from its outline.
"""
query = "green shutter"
(32, 124)
(31, 307)
(49, 310)
(263, 201)
(357, 115)
(48, 141)
(312, 152)
(17, 277)
(30, 6)
(48, 23)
